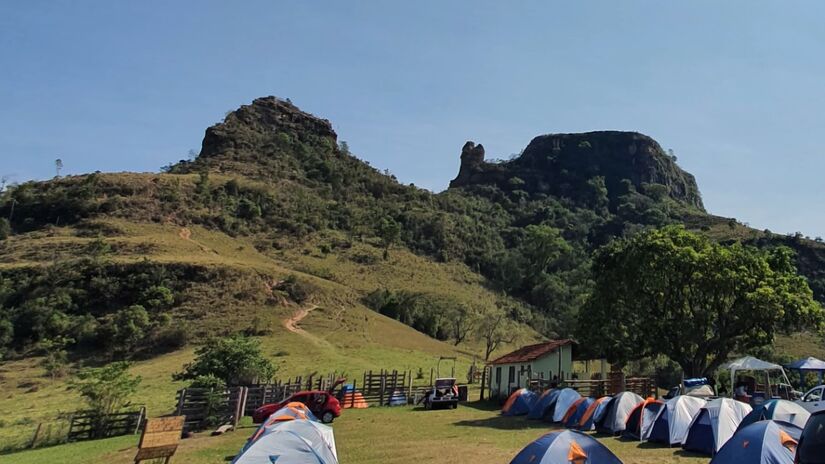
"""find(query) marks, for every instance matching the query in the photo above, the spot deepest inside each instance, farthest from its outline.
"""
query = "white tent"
(716, 422)
(749, 363)
(566, 398)
(290, 438)
(673, 420)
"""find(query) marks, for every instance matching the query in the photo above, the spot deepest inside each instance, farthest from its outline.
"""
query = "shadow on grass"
(509, 423)
(481, 405)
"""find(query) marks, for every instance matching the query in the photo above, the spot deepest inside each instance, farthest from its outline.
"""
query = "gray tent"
(618, 411)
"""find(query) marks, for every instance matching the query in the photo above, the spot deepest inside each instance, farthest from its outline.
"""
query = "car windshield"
(814, 395)
(444, 383)
(812, 448)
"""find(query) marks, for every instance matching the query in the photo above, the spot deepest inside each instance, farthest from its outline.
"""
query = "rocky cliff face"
(249, 125)
(561, 164)
(270, 138)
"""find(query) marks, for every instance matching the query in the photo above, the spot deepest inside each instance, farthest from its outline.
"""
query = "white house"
(551, 360)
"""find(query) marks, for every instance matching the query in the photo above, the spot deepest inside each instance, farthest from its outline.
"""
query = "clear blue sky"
(735, 88)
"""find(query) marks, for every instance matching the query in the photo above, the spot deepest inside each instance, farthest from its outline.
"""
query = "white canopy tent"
(749, 363)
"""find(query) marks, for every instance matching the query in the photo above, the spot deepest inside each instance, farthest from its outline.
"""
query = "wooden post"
(383, 385)
(181, 399)
(36, 435)
(354, 388)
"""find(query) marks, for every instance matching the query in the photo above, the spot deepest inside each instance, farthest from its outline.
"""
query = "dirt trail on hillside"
(186, 234)
(291, 324)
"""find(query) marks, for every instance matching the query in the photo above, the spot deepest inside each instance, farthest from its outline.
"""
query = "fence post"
(36, 435)
(354, 389)
(383, 386)
(181, 400)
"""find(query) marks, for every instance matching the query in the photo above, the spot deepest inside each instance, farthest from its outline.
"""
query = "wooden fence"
(86, 425)
(204, 407)
(261, 394)
(642, 386)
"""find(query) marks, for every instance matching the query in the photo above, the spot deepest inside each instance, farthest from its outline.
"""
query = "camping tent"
(809, 364)
(779, 410)
(288, 439)
(519, 403)
(616, 413)
(566, 398)
(763, 442)
(576, 411)
(594, 411)
(749, 363)
(636, 425)
(565, 447)
(714, 425)
(673, 420)
(541, 407)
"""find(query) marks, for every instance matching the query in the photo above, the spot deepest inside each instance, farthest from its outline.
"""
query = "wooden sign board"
(160, 438)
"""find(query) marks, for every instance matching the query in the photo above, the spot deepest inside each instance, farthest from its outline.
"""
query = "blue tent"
(542, 407)
(564, 447)
(714, 425)
(595, 412)
(778, 410)
(566, 398)
(763, 442)
(519, 403)
(573, 421)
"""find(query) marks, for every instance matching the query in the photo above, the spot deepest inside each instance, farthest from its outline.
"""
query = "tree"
(676, 293)
(126, 329)
(56, 359)
(389, 231)
(106, 390)
(5, 228)
(462, 322)
(543, 245)
(234, 360)
(494, 329)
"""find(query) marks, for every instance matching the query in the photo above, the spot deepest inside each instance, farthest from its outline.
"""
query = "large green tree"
(676, 293)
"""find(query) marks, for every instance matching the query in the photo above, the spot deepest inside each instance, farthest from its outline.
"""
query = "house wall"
(545, 367)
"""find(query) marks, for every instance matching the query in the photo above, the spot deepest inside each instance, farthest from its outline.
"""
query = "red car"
(323, 404)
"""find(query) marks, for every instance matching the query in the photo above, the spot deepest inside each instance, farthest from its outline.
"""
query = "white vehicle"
(443, 395)
(814, 399)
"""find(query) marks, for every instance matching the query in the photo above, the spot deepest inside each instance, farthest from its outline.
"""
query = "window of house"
(512, 375)
(498, 375)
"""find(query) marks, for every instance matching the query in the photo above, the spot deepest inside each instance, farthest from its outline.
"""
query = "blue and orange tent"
(576, 411)
(593, 413)
(565, 447)
(519, 403)
(763, 442)
(544, 404)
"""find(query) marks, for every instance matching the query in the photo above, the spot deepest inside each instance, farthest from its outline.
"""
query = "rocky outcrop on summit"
(263, 139)
(561, 165)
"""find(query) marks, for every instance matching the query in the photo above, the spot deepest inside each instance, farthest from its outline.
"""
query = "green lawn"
(473, 433)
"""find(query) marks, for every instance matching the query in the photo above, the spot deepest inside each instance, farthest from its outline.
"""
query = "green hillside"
(277, 231)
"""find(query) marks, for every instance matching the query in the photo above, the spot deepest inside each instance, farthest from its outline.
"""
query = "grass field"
(475, 432)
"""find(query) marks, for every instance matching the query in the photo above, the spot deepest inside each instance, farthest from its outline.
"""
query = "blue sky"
(735, 88)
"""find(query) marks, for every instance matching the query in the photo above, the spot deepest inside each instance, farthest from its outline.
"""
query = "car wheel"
(327, 417)
(455, 405)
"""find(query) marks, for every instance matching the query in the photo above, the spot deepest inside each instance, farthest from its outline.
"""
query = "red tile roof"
(531, 352)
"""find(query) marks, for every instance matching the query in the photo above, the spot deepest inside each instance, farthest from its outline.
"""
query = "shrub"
(5, 228)
(106, 390)
(236, 360)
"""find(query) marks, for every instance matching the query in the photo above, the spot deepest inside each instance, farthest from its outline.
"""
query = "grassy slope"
(472, 433)
(339, 335)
